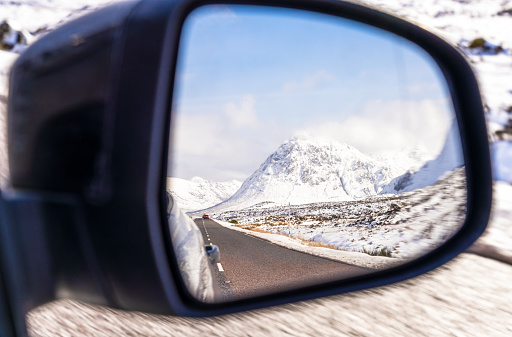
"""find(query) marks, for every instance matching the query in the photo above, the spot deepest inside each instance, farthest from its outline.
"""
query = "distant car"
(206, 216)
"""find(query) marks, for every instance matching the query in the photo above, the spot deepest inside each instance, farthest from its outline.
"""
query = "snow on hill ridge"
(407, 159)
(306, 169)
(449, 159)
(198, 193)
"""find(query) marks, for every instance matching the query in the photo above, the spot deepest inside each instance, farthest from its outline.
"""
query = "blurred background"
(466, 297)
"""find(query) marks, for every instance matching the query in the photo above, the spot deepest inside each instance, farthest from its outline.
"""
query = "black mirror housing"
(89, 119)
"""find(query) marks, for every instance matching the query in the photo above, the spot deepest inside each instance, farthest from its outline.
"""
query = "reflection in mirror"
(307, 148)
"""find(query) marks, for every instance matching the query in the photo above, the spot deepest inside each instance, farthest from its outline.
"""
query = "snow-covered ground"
(466, 297)
(35, 17)
(6, 60)
(401, 226)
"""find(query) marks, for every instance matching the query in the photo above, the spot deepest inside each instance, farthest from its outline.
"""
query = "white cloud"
(309, 82)
(228, 141)
(420, 88)
(223, 143)
(384, 126)
(243, 114)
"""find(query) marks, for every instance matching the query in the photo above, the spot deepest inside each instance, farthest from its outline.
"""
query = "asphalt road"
(251, 266)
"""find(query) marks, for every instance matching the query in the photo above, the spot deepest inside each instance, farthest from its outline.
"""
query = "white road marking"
(220, 267)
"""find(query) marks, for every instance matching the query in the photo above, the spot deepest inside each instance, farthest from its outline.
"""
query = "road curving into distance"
(251, 266)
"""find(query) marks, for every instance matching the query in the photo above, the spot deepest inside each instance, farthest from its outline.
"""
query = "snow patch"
(449, 159)
(198, 193)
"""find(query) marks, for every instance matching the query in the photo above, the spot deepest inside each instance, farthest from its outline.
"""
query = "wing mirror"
(321, 146)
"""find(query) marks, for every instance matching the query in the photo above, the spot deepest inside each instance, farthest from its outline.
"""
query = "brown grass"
(302, 240)
(317, 244)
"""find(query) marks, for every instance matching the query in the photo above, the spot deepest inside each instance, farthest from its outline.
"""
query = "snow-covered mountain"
(407, 159)
(306, 169)
(198, 193)
(450, 158)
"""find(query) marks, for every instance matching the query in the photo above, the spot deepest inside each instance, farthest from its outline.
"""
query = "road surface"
(250, 266)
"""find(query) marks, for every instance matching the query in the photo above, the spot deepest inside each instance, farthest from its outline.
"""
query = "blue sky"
(249, 78)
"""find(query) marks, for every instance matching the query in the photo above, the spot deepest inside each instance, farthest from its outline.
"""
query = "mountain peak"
(198, 180)
(306, 169)
(309, 140)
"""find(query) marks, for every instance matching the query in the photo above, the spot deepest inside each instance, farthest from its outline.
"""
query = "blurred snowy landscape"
(466, 297)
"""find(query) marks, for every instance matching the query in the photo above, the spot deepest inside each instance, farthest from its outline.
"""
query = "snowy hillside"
(198, 193)
(449, 159)
(306, 169)
(395, 225)
(33, 18)
(409, 159)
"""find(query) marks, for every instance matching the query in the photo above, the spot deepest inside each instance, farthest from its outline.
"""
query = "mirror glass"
(307, 148)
